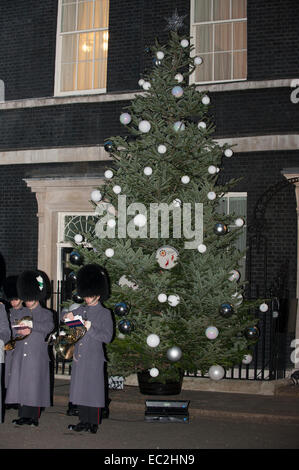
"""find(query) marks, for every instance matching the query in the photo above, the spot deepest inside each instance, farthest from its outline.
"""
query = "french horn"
(64, 343)
(11, 344)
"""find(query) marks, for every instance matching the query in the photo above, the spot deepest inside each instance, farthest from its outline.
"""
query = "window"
(219, 31)
(82, 47)
(236, 203)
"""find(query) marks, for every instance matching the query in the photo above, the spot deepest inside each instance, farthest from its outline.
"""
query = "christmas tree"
(169, 251)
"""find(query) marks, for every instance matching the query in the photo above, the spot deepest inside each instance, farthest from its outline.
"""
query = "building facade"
(69, 67)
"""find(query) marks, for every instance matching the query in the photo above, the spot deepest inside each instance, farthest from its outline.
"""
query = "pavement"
(283, 406)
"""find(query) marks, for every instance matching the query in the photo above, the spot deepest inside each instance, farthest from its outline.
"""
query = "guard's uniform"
(14, 316)
(4, 338)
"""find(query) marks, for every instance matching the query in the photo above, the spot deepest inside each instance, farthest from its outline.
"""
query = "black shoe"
(33, 422)
(21, 421)
(78, 427)
(93, 428)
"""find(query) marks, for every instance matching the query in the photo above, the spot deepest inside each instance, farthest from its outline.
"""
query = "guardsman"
(4, 337)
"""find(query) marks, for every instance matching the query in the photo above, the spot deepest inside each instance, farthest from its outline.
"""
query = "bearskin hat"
(92, 280)
(10, 288)
(33, 285)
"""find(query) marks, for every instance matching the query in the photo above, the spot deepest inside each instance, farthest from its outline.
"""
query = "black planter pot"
(147, 387)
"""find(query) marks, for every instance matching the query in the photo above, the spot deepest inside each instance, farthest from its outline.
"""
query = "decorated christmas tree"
(170, 252)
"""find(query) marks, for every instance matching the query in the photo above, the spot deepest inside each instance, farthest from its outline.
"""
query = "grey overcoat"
(29, 382)
(87, 380)
(4, 337)
(14, 316)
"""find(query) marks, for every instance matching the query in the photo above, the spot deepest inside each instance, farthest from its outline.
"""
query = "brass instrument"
(11, 344)
(64, 343)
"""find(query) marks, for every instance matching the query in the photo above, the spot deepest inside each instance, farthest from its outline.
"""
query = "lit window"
(219, 31)
(82, 46)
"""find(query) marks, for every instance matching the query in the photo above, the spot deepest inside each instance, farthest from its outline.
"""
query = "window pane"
(101, 44)
(68, 18)
(239, 9)
(86, 46)
(68, 77)
(238, 205)
(69, 48)
(85, 74)
(204, 72)
(202, 10)
(240, 35)
(240, 65)
(101, 14)
(221, 10)
(204, 38)
(222, 66)
(223, 37)
(100, 74)
(85, 15)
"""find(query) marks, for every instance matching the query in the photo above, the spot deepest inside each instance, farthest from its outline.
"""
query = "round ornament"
(237, 299)
(184, 43)
(141, 82)
(177, 202)
(162, 298)
(162, 148)
(78, 238)
(247, 359)
(125, 118)
(177, 91)
(121, 309)
(216, 372)
(205, 100)
(211, 332)
(197, 60)
(228, 153)
(160, 55)
(125, 326)
(72, 276)
(179, 77)
(76, 258)
(108, 146)
(252, 332)
(226, 310)
(234, 275)
(108, 174)
(201, 125)
(179, 126)
(173, 300)
(111, 223)
(220, 228)
(239, 222)
(116, 189)
(154, 372)
(77, 298)
(174, 353)
(146, 86)
(185, 179)
(211, 195)
(148, 171)
(264, 307)
(109, 252)
(144, 126)
(212, 169)
(167, 257)
(202, 248)
(153, 340)
(140, 220)
(96, 195)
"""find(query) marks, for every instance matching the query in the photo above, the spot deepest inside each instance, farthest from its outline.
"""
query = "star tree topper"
(175, 22)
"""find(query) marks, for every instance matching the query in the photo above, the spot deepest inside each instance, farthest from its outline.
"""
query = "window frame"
(193, 26)
(58, 57)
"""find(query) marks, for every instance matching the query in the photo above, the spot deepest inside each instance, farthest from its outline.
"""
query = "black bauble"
(72, 276)
(108, 146)
(226, 310)
(126, 326)
(77, 299)
(220, 228)
(76, 258)
(121, 309)
(252, 332)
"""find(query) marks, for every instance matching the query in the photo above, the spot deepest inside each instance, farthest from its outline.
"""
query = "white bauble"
(211, 332)
(247, 359)
(211, 195)
(184, 43)
(234, 275)
(146, 86)
(179, 126)
(177, 91)
(197, 60)
(239, 222)
(179, 77)
(144, 126)
(153, 340)
(162, 298)
(141, 82)
(201, 125)
(264, 307)
(109, 252)
(116, 189)
(108, 174)
(148, 171)
(125, 118)
(160, 55)
(140, 220)
(96, 195)
(216, 372)
(228, 153)
(162, 148)
(185, 179)
(173, 300)
(177, 202)
(154, 372)
(212, 169)
(237, 299)
(111, 223)
(205, 100)
(174, 353)
(202, 248)
(78, 238)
